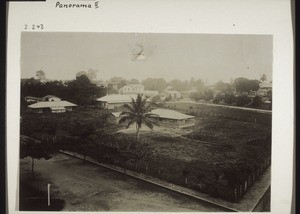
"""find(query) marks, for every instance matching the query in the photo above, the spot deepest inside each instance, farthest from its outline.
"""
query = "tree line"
(80, 91)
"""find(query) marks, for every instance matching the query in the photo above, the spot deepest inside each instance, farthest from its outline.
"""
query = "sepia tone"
(145, 122)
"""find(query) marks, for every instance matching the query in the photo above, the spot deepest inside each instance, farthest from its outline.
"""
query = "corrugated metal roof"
(117, 98)
(52, 104)
(116, 114)
(170, 114)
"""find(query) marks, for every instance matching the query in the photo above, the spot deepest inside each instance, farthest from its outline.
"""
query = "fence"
(170, 173)
(242, 188)
(222, 112)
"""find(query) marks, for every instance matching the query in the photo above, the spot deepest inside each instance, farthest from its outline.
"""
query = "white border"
(169, 16)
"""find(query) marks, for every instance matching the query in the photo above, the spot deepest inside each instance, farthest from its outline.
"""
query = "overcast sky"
(170, 56)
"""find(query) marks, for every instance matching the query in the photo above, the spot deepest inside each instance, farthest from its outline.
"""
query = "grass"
(224, 148)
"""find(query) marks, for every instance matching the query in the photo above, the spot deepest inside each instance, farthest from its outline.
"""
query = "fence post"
(245, 186)
(235, 195)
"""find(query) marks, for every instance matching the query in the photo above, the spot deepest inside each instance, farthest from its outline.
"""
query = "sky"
(210, 57)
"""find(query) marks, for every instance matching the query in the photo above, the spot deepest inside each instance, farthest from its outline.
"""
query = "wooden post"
(48, 188)
(235, 195)
(245, 186)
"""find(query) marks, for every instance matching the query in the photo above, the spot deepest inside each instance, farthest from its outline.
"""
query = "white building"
(264, 88)
(132, 89)
(171, 118)
(114, 101)
(52, 106)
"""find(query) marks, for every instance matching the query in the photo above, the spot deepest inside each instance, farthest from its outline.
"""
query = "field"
(217, 156)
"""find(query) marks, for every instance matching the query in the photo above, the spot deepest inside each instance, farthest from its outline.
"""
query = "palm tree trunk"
(137, 132)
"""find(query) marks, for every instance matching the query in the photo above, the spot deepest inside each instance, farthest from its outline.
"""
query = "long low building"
(52, 106)
(167, 117)
(114, 101)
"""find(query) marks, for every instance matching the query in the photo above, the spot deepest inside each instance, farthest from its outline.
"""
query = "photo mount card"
(217, 106)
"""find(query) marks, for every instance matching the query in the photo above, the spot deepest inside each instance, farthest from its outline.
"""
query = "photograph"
(147, 122)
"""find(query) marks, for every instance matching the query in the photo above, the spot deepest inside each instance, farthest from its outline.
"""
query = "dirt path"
(86, 187)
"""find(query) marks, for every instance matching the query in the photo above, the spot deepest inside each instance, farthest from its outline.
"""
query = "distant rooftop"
(117, 98)
(51, 104)
(170, 114)
(265, 85)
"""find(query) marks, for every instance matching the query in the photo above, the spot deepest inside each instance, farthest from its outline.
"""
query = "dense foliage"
(80, 91)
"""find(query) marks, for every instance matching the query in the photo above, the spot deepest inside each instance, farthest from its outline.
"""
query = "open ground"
(86, 187)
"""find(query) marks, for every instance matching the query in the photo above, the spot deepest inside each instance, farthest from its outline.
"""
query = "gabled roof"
(117, 98)
(265, 85)
(170, 114)
(32, 98)
(116, 114)
(52, 104)
(49, 96)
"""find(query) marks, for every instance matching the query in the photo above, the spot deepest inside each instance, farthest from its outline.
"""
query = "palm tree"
(139, 113)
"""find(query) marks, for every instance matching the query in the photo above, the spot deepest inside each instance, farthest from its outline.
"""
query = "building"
(132, 89)
(30, 99)
(113, 86)
(174, 119)
(51, 98)
(52, 106)
(150, 94)
(264, 89)
(114, 101)
(175, 95)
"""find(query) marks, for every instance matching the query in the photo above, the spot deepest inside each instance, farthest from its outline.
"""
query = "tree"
(218, 98)
(263, 78)
(156, 84)
(243, 100)
(91, 74)
(223, 87)
(229, 98)
(83, 92)
(245, 85)
(196, 96)
(208, 95)
(138, 113)
(199, 85)
(133, 81)
(256, 102)
(179, 85)
(35, 149)
(41, 75)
